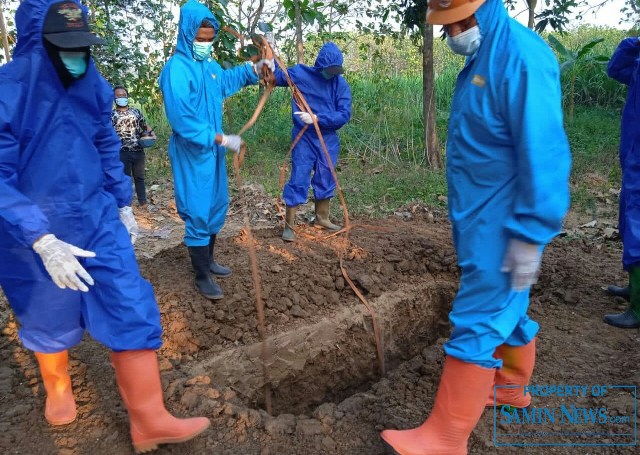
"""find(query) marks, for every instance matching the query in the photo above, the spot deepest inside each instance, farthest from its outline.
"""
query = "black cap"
(66, 26)
(336, 69)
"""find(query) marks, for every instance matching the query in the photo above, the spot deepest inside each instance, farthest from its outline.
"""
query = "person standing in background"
(131, 126)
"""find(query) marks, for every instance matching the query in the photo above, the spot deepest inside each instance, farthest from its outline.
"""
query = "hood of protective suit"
(329, 55)
(29, 22)
(53, 123)
(191, 16)
(492, 17)
(30, 18)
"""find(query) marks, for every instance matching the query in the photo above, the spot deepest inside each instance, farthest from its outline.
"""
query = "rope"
(268, 78)
(302, 103)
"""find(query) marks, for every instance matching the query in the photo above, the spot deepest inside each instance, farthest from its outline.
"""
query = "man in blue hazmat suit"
(508, 164)
(194, 87)
(67, 262)
(329, 97)
(624, 67)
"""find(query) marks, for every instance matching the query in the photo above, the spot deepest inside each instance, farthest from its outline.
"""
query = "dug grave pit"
(320, 339)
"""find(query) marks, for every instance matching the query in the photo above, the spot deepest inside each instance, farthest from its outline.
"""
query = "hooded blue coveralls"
(330, 100)
(60, 173)
(624, 67)
(508, 164)
(193, 93)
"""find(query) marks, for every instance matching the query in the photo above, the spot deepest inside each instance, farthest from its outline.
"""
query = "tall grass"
(592, 85)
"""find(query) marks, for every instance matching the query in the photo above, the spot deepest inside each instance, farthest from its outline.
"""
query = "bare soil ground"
(327, 393)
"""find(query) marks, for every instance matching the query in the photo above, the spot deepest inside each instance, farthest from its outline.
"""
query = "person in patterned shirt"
(130, 125)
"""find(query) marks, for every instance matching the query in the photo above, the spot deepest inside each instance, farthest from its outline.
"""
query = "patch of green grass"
(377, 189)
(594, 136)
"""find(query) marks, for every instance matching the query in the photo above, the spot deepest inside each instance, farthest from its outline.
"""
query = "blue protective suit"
(193, 94)
(60, 173)
(508, 165)
(624, 67)
(330, 101)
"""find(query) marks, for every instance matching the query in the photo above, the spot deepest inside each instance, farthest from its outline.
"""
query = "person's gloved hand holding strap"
(257, 67)
(231, 141)
(129, 221)
(523, 261)
(306, 117)
(59, 259)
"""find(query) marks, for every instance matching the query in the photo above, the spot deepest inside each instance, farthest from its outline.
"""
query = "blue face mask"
(202, 50)
(75, 63)
(122, 102)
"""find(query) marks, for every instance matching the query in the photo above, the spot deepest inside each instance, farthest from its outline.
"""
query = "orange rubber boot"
(517, 368)
(458, 406)
(138, 379)
(60, 407)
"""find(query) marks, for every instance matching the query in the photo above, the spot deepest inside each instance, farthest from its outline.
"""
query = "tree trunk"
(298, 21)
(531, 4)
(431, 146)
(3, 32)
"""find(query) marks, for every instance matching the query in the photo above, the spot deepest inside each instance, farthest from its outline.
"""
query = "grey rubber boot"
(289, 235)
(218, 270)
(322, 216)
(203, 282)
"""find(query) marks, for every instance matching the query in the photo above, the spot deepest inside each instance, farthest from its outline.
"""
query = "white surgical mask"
(467, 42)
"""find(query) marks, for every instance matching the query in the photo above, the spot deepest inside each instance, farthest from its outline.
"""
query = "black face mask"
(54, 55)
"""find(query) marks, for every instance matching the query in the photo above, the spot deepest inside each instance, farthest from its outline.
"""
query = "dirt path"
(327, 393)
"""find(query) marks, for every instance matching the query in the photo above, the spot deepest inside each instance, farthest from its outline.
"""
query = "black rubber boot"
(218, 270)
(203, 282)
(630, 319)
(618, 291)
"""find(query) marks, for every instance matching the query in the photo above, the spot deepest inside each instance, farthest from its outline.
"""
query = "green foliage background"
(381, 164)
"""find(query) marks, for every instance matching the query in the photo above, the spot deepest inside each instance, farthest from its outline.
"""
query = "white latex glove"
(257, 67)
(306, 117)
(232, 142)
(523, 262)
(59, 259)
(129, 221)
